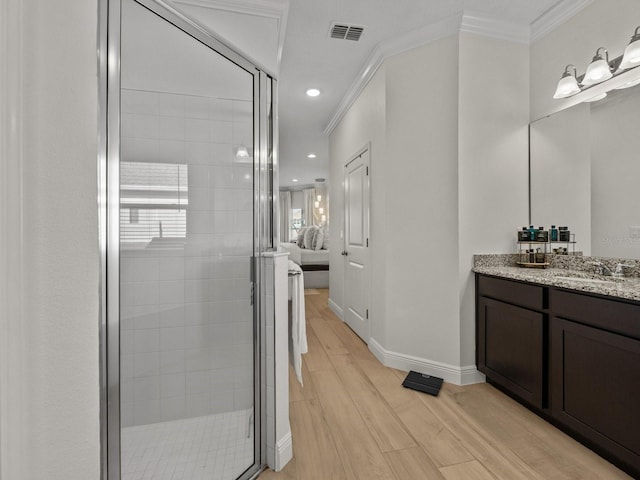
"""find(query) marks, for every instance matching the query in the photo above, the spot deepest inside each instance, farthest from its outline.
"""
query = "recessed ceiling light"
(313, 92)
(311, 155)
(294, 179)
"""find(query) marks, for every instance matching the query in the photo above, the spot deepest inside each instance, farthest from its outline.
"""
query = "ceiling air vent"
(344, 31)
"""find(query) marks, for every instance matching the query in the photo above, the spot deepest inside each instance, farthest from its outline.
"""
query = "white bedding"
(304, 256)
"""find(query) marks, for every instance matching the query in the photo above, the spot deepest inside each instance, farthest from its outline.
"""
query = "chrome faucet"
(602, 269)
(619, 272)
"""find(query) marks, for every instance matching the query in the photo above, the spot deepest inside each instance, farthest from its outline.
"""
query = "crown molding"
(476, 23)
(556, 16)
(413, 39)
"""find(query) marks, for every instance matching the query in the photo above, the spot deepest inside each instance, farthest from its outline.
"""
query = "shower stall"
(188, 186)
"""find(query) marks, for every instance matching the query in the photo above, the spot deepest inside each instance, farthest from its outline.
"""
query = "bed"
(314, 263)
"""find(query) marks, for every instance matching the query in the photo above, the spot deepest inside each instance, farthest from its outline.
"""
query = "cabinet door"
(595, 387)
(511, 350)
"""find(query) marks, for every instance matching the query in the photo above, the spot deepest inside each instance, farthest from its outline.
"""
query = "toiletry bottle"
(532, 233)
(554, 233)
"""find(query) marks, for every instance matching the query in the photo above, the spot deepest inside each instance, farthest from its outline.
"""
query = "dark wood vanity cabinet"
(573, 358)
(595, 373)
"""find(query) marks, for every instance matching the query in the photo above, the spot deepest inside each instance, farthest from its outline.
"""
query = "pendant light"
(631, 57)
(598, 70)
(568, 84)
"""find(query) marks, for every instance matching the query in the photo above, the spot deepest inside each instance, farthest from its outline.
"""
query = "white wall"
(50, 422)
(364, 123)
(493, 110)
(451, 182)
(604, 23)
(422, 202)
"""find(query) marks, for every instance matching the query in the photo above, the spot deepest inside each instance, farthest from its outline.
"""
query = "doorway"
(188, 128)
(356, 244)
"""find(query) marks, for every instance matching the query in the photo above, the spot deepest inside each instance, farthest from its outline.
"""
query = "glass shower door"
(187, 354)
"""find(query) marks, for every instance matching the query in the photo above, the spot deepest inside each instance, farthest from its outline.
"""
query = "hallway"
(376, 429)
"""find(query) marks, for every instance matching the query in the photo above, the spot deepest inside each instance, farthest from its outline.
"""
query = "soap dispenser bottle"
(554, 233)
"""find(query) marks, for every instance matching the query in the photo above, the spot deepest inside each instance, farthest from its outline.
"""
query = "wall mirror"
(584, 173)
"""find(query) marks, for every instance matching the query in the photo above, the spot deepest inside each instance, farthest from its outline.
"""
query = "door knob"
(345, 253)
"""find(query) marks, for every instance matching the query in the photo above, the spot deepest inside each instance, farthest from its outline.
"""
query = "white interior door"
(356, 244)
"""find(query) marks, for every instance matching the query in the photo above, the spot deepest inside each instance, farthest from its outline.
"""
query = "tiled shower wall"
(186, 319)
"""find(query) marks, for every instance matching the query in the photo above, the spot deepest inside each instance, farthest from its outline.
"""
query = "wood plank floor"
(376, 429)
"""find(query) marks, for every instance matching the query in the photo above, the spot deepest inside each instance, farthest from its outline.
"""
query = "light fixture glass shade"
(242, 152)
(321, 210)
(598, 70)
(319, 198)
(631, 57)
(567, 86)
(316, 204)
(597, 97)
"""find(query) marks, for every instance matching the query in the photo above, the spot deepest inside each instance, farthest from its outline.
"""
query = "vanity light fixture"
(568, 84)
(602, 74)
(598, 70)
(631, 56)
(597, 97)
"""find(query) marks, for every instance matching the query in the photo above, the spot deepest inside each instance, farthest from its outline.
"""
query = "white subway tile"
(171, 268)
(171, 104)
(197, 130)
(146, 340)
(225, 153)
(221, 176)
(172, 128)
(221, 199)
(172, 361)
(197, 153)
(243, 398)
(173, 408)
(146, 412)
(199, 199)
(198, 382)
(221, 401)
(139, 149)
(220, 109)
(243, 176)
(222, 132)
(197, 360)
(172, 385)
(198, 222)
(146, 389)
(196, 107)
(222, 334)
(196, 337)
(222, 379)
(198, 404)
(197, 268)
(138, 101)
(170, 151)
(126, 366)
(171, 292)
(172, 338)
(146, 364)
(222, 222)
(171, 315)
(198, 176)
(222, 312)
(243, 200)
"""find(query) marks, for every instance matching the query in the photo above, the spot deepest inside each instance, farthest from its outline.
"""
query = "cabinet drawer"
(615, 316)
(529, 296)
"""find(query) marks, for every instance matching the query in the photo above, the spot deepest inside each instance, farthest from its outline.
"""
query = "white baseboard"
(450, 373)
(284, 452)
(336, 309)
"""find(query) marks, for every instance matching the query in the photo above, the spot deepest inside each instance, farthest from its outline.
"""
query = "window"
(153, 203)
(296, 223)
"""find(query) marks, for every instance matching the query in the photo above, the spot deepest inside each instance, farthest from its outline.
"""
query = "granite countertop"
(581, 281)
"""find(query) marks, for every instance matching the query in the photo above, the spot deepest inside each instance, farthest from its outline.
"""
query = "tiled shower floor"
(213, 447)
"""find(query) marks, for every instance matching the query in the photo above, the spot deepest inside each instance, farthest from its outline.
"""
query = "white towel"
(298, 321)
